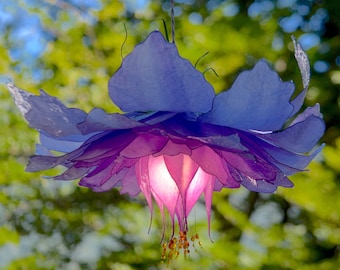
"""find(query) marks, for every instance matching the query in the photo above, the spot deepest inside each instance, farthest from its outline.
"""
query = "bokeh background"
(70, 48)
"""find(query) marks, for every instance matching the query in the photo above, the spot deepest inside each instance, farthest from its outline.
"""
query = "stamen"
(196, 238)
(171, 250)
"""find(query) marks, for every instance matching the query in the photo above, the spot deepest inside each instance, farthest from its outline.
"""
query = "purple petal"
(72, 173)
(99, 176)
(111, 169)
(258, 100)
(258, 185)
(172, 149)
(106, 185)
(252, 184)
(47, 113)
(155, 78)
(129, 183)
(288, 162)
(144, 145)
(204, 133)
(40, 163)
(105, 146)
(250, 165)
(98, 120)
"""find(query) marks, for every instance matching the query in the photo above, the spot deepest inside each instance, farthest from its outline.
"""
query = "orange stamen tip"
(172, 249)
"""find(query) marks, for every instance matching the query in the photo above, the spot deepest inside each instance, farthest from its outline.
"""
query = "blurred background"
(70, 48)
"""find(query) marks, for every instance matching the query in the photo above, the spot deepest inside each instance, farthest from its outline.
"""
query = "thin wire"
(121, 48)
(172, 21)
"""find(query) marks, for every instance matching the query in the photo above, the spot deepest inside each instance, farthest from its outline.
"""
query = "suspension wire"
(172, 21)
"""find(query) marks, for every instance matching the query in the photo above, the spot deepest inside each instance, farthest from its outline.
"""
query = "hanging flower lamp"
(178, 140)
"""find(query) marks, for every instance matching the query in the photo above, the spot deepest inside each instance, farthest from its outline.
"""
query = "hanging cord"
(172, 21)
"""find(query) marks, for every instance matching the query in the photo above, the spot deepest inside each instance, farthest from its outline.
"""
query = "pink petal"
(142, 174)
(162, 184)
(196, 188)
(208, 193)
(182, 170)
(212, 163)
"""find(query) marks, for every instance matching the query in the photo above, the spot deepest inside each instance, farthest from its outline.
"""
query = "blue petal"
(300, 137)
(258, 100)
(288, 162)
(155, 78)
(99, 120)
(65, 144)
(47, 113)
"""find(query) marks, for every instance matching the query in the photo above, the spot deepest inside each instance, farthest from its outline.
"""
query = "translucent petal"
(47, 113)
(162, 184)
(300, 137)
(155, 78)
(258, 100)
(98, 120)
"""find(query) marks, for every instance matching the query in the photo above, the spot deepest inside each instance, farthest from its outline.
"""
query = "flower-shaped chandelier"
(178, 140)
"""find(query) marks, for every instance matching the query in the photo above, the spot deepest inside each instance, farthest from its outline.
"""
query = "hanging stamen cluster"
(172, 249)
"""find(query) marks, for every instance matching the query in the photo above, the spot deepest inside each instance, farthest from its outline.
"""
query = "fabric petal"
(212, 164)
(142, 174)
(73, 173)
(172, 149)
(47, 113)
(144, 144)
(64, 144)
(155, 78)
(258, 100)
(162, 184)
(40, 163)
(129, 183)
(250, 165)
(107, 145)
(303, 63)
(288, 162)
(252, 184)
(196, 188)
(309, 111)
(300, 137)
(182, 169)
(108, 184)
(99, 120)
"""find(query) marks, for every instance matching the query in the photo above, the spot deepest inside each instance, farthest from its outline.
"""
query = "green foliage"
(56, 225)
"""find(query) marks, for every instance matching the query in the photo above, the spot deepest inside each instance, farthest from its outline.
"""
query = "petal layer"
(47, 113)
(258, 100)
(155, 78)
